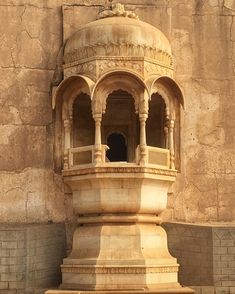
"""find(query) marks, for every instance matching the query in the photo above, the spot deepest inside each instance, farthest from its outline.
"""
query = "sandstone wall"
(202, 34)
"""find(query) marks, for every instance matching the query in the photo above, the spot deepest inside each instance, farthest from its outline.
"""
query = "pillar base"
(180, 290)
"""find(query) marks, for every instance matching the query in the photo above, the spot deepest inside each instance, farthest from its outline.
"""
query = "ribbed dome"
(118, 35)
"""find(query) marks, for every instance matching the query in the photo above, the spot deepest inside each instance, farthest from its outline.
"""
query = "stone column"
(166, 128)
(171, 143)
(166, 133)
(143, 115)
(67, 142)
(143, 144)
(97, 150)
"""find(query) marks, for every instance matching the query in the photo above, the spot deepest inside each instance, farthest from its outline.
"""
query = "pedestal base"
(119, 245)
(181, 290)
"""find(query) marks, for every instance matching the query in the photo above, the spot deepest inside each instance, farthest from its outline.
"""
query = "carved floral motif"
(117, 10)
(154, 68)
(110, 64)
(87, 68)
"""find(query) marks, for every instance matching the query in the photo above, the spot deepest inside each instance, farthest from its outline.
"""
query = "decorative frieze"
(117, 270)
(119, 169)
(87, 68)
(117, 49)
(95, 68)
(106, 65)
(153, 68)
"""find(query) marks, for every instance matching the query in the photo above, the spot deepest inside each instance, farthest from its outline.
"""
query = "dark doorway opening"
(117, 147)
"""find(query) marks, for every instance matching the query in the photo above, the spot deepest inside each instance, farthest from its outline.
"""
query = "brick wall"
(206, 255)
(30, 257)
(224, 258)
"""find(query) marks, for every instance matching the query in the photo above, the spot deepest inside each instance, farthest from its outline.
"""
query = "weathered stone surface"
(34, 195)
(202, 38)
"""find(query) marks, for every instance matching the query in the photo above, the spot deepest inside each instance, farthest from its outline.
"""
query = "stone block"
(16, 285)
(4, 268)
(227, 243)
(17, 268)
(220, 250)
(231, 250)
(226, 257)
(4, 252)
(228, 271)
(222, 290)
(21, 244)
(221, 277)
(8, 277)
(18, 252)
(216, 243)
(208, 290)
(3, 285)
(228, 283)
(9, 245)
(231, 263)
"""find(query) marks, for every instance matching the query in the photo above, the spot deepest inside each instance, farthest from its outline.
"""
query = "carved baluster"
(171, 143)
(66, 143)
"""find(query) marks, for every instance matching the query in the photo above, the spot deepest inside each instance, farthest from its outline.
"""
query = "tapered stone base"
(119, 245)
(180, 290)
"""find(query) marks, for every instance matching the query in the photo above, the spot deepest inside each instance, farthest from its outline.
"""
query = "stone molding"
(118, 49)
(96, 67)
(117, 169)
(118, 270)
(152, 219)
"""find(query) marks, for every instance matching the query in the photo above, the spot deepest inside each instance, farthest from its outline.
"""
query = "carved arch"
(118, 80)
(167, 86)
(169, 90)
(62, 102)
(69, 83)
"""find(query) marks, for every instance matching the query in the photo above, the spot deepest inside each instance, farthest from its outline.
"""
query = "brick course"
(206, 255)
(30, 257)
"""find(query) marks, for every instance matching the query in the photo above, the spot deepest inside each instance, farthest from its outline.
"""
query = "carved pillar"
(98, 108)
(67, 142)
(97, 150)
(143, 115)
(171, 143)
(166, 128)
(143, 144)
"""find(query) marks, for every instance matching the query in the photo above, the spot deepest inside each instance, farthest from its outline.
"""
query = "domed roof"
(118, 33)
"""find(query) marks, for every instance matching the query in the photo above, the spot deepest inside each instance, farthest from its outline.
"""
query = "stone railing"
(156, 156)
(80, 156)
(84, 155)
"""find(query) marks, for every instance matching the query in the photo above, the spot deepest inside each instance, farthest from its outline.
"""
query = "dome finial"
(117, 10)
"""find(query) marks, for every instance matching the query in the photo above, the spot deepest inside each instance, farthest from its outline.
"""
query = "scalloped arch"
(86, 85)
